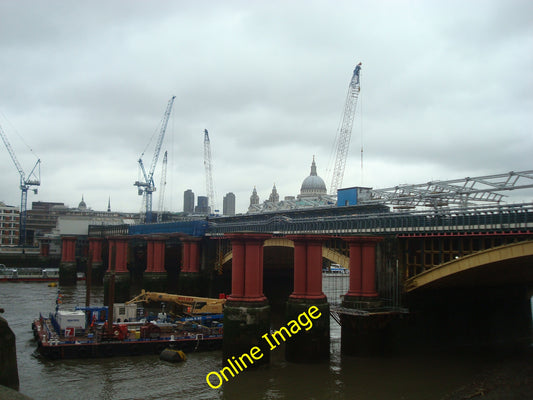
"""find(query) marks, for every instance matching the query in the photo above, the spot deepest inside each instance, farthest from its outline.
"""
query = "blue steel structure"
(193, 228)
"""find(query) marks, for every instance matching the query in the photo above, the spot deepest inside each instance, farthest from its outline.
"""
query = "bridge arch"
(511, 263)
(327, 253)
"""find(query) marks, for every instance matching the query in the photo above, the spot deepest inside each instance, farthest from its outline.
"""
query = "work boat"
(86, 333)
(32, 274)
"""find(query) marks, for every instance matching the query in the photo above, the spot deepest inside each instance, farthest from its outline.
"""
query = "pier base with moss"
(192, 284)
(311, 345)
(244, 324)
(155, 282)
(67, 273)
(121, 289)
(97, 273)
(365, 331)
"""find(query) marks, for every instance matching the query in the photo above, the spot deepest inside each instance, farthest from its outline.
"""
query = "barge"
(85, 332)
(61, 335)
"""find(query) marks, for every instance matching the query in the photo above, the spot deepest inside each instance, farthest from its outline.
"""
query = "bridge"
(459, 273)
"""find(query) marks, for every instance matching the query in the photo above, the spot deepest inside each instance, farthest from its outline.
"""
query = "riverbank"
(508, 378)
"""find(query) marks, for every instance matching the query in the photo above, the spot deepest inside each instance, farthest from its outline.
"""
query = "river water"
(146, 377)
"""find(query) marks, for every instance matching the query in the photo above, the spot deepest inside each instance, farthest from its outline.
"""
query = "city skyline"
(445, 94)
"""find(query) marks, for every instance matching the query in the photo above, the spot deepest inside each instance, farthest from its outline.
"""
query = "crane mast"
(162, 185)
(208, 171)
(147, 187)
(345, 132)
(33, 179)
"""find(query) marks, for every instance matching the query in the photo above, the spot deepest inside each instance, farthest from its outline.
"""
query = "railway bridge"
(463, 275)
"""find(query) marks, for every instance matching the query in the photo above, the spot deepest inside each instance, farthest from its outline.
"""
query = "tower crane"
(147, 187)
(345, 132)
(162, 186)
(33, 179)
(208, 171)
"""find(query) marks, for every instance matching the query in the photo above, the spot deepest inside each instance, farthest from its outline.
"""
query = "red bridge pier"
(308, 345)
(118, 270)
(67, 267)
(155, 276)
(190, 279)
(97, 262)
(366, 333)
(247, 312)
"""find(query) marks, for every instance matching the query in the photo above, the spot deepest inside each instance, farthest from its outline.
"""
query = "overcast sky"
(446, 92)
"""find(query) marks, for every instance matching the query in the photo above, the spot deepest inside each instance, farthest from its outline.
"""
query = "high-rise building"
(188, 201)
(228, 207)
(203, 205)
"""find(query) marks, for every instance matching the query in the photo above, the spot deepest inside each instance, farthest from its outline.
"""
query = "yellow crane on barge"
(191, 304)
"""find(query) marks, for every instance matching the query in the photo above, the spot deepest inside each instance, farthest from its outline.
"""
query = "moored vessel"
(85, 332)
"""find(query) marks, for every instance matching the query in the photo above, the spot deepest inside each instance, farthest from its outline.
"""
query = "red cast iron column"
(237, 270)
(95, 249)
(68, 249)
(300, 269)
(122, 250)
(247, 267)
(307, 266)
(194, 256)
(159, 255)
(111, 245)
(314, 268)
(121, 254)
(155, 255)
(185, 256)
(356, 267)
(253, 269)
(149, 255)
(369, 268)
